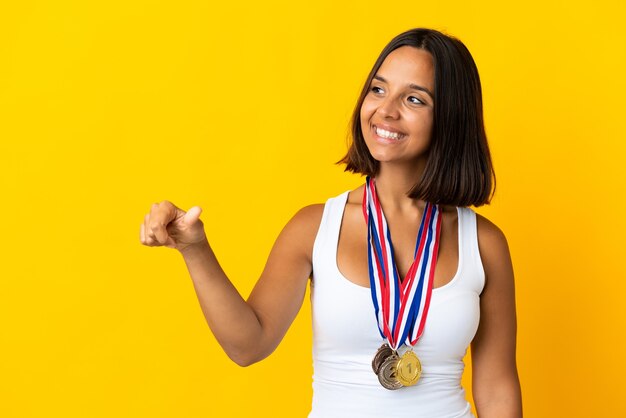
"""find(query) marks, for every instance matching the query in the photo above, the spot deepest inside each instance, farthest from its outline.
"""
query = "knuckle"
(156, 227)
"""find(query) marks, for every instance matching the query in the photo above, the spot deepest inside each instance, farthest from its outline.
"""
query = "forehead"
(407, 65)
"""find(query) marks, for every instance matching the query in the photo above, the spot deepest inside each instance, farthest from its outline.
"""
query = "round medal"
(409, 369)
(387, 373)
(381, 355)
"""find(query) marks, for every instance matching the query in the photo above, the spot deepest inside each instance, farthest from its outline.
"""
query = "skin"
(249, 330)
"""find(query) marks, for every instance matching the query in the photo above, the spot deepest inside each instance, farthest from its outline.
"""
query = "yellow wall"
(108, 106)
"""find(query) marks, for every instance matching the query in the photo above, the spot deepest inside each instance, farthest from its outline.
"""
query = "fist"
(166, 225)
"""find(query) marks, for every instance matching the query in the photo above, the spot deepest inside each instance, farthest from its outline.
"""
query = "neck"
(393, 183)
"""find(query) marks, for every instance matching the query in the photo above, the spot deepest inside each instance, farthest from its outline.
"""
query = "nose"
(389, 108)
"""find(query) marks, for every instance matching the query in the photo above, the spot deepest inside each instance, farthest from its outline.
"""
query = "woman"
(418, 135)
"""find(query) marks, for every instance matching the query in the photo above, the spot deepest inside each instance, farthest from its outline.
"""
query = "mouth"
(387, 134)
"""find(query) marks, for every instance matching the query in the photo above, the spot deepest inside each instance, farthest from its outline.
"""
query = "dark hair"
(458, 171)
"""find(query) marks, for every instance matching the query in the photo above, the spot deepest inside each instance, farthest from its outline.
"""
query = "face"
(397, 113)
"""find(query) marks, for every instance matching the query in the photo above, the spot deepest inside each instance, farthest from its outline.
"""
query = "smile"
(383, 133)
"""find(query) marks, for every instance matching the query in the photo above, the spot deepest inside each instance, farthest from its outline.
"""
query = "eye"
(376, 90)
(414, 100)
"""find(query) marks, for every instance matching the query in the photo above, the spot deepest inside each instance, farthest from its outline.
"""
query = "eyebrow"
(411, 86)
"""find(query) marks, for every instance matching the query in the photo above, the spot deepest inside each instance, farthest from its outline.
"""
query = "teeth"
(386, 134)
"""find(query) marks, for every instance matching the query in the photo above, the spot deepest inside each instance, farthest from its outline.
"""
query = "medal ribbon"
(401, 307)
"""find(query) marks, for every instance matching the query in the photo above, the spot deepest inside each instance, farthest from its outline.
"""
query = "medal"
(400, 306)
(409, 369)
(381, 355)
(387, 375)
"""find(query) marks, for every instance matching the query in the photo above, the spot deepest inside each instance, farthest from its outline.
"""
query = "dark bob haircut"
(458, 171)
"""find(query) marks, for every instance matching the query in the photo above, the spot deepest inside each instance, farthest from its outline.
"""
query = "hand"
(166, 225)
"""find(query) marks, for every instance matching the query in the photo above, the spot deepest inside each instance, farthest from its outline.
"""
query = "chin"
(381, 153)
(383, 157)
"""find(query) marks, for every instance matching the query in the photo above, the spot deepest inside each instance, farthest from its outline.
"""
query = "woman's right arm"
(248, 331)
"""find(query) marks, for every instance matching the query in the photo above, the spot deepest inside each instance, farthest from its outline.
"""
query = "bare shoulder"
(491, 240)
(493, 247)
(489, 235)
(300, 232)
(308, 218)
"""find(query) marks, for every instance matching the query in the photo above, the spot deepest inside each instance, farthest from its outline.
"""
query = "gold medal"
(409, 369)
(381, 355)
(387, 375)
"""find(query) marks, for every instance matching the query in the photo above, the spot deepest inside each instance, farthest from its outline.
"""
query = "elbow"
(503, 399)
(243, 361)
(244, 358)
(247, 351)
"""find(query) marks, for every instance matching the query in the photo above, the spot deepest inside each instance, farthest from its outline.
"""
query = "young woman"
(392, 319)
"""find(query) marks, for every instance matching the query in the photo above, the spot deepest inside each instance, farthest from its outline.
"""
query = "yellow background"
(242, 108)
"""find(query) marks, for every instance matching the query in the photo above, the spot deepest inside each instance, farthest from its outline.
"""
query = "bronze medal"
(387, 374)
(409, 369)
(381, 355)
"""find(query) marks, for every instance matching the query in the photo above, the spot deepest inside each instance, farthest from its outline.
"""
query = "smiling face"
(397, 113)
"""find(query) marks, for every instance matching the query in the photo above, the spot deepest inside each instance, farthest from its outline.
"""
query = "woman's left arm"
(495, 383)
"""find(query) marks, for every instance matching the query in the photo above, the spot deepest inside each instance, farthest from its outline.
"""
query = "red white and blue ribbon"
(401, 306)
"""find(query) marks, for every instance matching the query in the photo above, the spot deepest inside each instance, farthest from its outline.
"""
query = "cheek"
(429, 125)
(424, 122)
(367, 110)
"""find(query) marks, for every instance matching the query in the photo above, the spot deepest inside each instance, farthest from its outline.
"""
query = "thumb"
(192, 215)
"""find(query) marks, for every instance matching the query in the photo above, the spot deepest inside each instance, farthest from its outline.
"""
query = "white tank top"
(346, 337)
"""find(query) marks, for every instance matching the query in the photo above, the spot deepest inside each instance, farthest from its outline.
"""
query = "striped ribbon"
(401, 306)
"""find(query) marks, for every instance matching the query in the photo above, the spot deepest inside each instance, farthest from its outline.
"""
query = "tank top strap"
(325, 245)
(472, 267)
